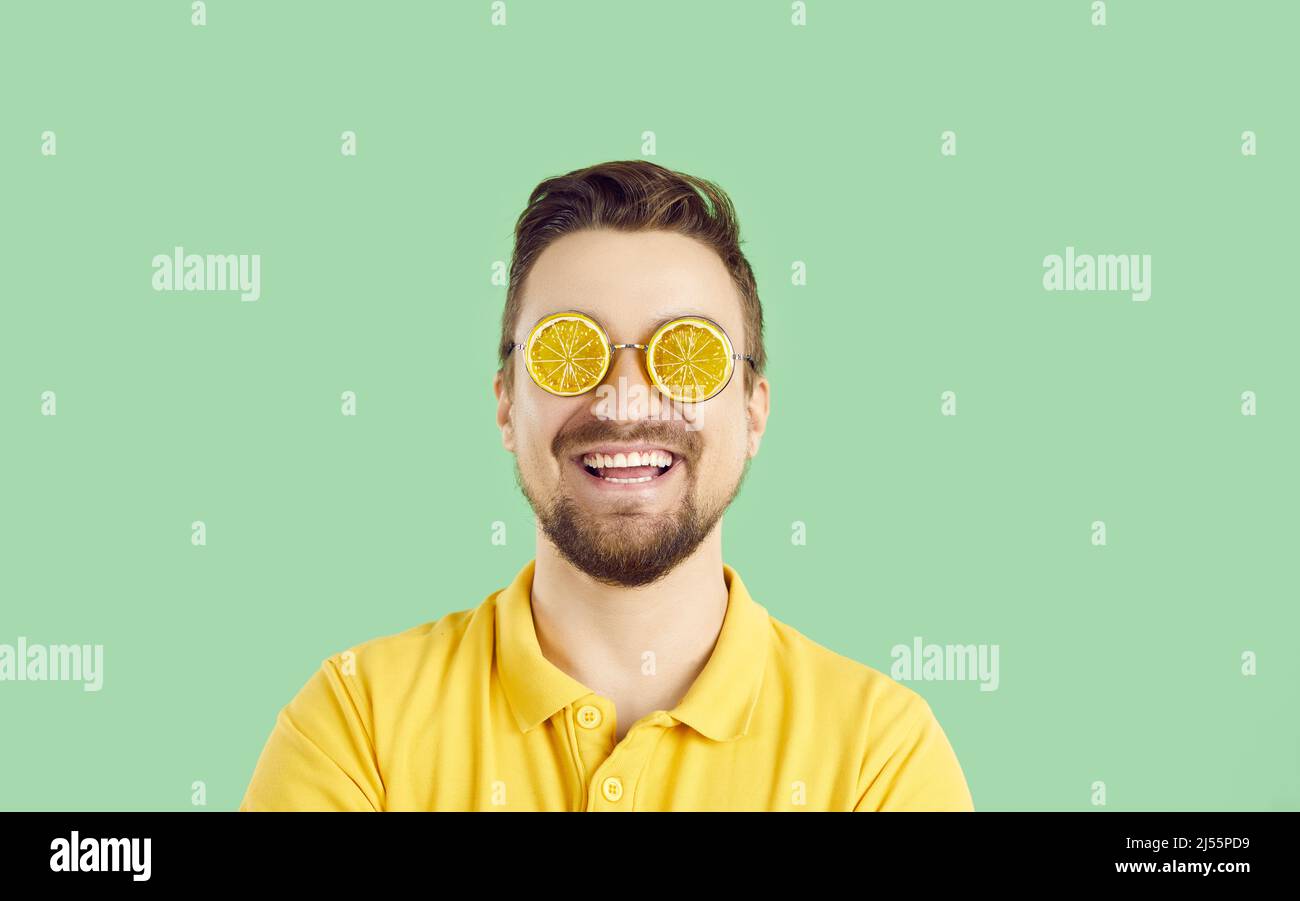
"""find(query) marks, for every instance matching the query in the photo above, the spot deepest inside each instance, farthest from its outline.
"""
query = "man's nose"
(625, 393)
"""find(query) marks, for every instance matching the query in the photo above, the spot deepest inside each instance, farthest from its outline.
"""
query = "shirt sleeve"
(914, 769)
(320, 755)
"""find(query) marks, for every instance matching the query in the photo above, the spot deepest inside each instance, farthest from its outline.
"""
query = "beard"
(627, 548)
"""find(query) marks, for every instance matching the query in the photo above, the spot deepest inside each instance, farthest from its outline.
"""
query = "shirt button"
(612, 788)
(589, 716)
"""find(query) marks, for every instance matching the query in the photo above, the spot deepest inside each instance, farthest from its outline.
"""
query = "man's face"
(623, 525)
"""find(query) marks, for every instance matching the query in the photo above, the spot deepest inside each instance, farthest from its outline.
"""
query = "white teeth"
(635, 458)
(627, 481)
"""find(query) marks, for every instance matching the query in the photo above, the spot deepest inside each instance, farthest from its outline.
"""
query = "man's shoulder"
(906, 760)
(430, 647)
(847, 685)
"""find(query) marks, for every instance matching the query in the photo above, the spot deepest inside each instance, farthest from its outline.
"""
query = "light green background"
(1119, 664)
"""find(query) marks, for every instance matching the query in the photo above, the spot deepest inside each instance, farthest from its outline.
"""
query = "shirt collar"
(719, 704)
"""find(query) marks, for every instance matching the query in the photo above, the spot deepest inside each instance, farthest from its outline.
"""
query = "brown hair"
(633, 195)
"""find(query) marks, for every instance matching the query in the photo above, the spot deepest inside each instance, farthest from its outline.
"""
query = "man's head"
(632, 245)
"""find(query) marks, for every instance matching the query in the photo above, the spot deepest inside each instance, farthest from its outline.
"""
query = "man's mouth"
(627, 467)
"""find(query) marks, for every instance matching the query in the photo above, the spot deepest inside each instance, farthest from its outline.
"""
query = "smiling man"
(625, 667)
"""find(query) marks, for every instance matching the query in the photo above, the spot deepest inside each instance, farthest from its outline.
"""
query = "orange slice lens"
(567, 354)
(690, 359)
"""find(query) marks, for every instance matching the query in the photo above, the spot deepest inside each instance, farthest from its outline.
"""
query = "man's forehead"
(630, 279)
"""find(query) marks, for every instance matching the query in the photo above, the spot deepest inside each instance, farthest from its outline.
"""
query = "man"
(626, 667)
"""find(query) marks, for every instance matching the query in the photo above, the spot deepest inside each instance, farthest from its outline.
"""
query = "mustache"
(681, 441)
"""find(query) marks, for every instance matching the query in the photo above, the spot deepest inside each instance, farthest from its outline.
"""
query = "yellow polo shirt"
(465, 713)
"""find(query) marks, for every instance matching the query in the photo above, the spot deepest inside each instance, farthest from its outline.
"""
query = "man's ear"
(758, 407)
(504, 422)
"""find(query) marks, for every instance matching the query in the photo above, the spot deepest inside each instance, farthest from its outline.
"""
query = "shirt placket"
(611, 769)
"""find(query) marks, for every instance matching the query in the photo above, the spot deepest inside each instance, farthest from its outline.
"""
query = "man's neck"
(640, 647)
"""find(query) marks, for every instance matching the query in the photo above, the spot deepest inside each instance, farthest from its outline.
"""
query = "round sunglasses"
(689, 359)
